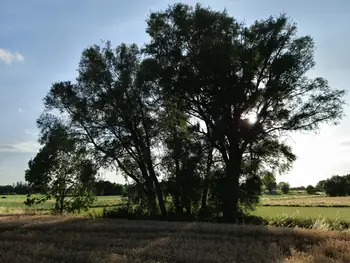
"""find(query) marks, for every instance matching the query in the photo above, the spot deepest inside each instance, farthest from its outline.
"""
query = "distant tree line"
(105, 188)
(19, 188)
(101, 188)
(335, 185)
(196, 118)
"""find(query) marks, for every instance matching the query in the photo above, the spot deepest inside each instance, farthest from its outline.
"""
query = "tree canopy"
(61, 169)
(206, 104)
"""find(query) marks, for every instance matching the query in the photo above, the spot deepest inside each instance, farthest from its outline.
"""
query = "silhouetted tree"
(60, 169)
(225, 72)
(112, 108)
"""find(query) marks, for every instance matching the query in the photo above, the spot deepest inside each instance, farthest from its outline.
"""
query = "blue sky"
(41, 42)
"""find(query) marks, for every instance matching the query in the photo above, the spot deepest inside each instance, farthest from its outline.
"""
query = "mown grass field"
(66, 239)
(313, 201)
(307, 212)
(303, 205)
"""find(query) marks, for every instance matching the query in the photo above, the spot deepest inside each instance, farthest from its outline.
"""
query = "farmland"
(306, 212)
(14, 204)
(30, 239)
(315, 201)
(300, 205)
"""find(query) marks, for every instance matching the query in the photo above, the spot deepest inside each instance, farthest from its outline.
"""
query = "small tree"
(310, 190)
(60, 170)
(269, 181)
(284, 187)
(320, 185)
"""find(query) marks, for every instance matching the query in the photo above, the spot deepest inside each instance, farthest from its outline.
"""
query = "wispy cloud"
(32, 133)
(20, 110)
(8, 57)
(20, 147)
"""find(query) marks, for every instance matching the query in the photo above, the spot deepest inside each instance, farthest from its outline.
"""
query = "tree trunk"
(205, 191)
(159, 194)
(178, 207)
(232, 194)
(151, 198)
(62, 202)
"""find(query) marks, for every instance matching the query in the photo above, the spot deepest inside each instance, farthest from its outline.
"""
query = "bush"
(285, 188)
(310, 190)
(337, 186)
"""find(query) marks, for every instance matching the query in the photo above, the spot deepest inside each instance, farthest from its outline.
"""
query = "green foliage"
(112, 109)
(105, 188)
(320, 185)
(223, 71)
(180, 107)
(60, 169)
(284, 187)
(337, 185)
(310, 190)
(269, 181)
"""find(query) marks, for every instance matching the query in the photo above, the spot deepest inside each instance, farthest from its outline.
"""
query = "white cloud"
(8, 57)
(20, 110)
(32, 133)
(21, 147)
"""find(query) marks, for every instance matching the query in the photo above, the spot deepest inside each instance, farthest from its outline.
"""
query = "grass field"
(308, 212)
(319, 201)
(278, 205)
(16, 201)
(65, 239)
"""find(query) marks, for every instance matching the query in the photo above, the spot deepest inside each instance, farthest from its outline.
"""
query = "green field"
(14, 204)
(307, 212)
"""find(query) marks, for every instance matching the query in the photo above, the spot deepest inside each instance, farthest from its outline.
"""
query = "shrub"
(337, 186)
(285, 188)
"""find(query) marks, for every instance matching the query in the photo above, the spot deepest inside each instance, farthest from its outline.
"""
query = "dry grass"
(66, 239)
(309, 201)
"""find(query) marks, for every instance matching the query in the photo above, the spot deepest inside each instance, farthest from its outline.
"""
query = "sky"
(41, 42)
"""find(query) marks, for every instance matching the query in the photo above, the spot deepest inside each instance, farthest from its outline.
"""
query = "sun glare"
(251, 116)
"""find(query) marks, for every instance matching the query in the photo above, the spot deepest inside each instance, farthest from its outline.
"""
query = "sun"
(251, 117)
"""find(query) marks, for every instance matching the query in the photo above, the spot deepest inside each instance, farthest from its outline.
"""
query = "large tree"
(112, 109)
(246, 85)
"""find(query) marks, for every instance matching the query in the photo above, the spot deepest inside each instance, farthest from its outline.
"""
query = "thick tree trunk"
(232, 191)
